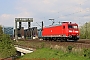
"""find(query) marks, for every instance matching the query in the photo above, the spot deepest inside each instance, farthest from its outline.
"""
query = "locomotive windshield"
(72, 26)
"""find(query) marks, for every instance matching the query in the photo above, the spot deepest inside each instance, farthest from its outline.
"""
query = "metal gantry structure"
(20, 20)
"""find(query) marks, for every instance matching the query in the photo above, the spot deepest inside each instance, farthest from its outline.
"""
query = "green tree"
(85, 31)
(82, 32)
(6, 46)
(1, 31)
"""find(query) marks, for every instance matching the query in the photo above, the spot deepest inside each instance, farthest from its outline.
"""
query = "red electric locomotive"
(66, 31)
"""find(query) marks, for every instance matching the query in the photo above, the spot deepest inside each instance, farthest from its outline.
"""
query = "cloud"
(5, 16)
(7, 19)
(24, 14)
(60, 10)
(42, 10)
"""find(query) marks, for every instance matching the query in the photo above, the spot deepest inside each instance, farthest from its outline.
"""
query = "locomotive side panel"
(52, 31)
(56, 31)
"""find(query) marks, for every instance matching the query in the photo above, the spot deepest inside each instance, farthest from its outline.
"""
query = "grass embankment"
(50, 51)
(52, 54)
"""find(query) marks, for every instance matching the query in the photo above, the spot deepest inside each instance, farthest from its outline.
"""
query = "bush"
(69, 48)
(87, 53)
(42, 45)
(6, 47)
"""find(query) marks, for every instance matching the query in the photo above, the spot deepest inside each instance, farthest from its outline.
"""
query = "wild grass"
(52, 54)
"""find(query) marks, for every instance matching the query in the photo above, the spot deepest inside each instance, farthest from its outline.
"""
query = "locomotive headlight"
(76, 31)
(70, 30)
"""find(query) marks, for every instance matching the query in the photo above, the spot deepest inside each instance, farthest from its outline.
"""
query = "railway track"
(79, 44)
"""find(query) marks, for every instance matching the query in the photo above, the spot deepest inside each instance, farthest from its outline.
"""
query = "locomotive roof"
(53, 25)
(61, 24)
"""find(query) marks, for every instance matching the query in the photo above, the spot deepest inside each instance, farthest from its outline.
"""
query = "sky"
(76, 11)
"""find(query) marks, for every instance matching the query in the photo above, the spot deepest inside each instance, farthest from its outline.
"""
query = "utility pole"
(42, 25)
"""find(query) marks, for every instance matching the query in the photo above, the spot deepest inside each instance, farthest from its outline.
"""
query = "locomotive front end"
(73, 32)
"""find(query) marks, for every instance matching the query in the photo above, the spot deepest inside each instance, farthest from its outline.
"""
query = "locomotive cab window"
(63, 27)
(71, 26)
